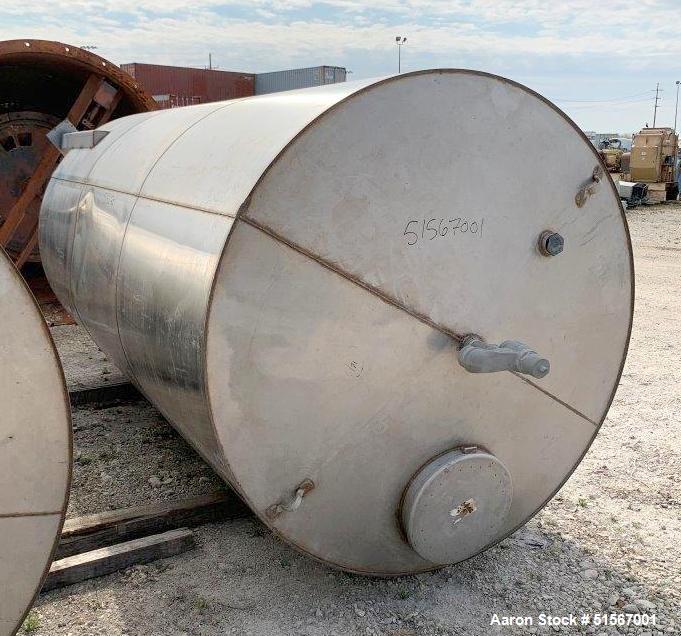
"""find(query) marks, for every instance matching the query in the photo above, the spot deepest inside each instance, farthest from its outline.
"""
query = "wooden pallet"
(105, 394)
(103, 561)
(103, 543)
(657, 192)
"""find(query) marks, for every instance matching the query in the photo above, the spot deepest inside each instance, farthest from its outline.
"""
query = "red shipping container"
(180, 86)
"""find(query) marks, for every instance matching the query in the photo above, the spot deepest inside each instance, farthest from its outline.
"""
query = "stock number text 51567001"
(429, 229)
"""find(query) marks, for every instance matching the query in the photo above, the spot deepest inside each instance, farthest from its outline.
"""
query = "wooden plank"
(94, 531)
(657, 192)
(89, 565)
(47, 164)
(103, 394)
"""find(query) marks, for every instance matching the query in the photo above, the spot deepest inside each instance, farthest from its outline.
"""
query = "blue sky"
(599, 61)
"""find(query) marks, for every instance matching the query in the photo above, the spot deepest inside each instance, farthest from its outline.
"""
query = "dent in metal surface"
(57, 238)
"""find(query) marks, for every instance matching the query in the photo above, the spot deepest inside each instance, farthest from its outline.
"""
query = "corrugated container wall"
(298, 78)
(181, 86)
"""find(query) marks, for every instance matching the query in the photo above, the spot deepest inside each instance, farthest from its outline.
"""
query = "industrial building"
(298, 78)
(174, 86)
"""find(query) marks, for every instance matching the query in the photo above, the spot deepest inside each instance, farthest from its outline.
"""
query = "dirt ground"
(83, 362)
(608, 543)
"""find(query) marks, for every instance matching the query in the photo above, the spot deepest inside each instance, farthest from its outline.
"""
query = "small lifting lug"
(293, 503)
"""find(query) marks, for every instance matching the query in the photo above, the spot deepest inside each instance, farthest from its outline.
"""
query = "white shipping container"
(298, 78)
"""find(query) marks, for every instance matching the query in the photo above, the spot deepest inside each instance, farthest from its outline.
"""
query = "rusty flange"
(22, 142)
(75, 59)
(42, 83)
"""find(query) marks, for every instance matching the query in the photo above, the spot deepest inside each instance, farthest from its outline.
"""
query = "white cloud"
(550, 41)
(200, 24)
(570, 27)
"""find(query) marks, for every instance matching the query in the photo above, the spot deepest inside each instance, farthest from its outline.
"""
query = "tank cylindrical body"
(35, 448)
(288, 278)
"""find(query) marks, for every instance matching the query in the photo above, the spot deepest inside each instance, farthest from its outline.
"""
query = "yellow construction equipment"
(653, 159)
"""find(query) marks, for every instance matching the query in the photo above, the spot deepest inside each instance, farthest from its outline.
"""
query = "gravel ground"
(127, 455)
(83, 361)
(609, 542)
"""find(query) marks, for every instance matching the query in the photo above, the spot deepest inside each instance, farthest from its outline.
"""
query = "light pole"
(657, 99)
(399, 40)
(676, 147)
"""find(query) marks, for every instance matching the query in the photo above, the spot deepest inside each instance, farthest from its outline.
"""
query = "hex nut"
(551, 243)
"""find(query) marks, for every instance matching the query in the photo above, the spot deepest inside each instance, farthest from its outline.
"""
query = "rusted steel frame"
(32, 189)
(27, 250)
(105, 117)
(45, 168)
(12, 51)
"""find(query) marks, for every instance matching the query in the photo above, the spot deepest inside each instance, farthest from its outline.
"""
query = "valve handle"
(476, 356)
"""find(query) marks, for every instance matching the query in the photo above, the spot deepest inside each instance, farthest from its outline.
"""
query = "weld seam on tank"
(84, 186)
(178, 137)
(137, 196)
(49, 513)
(144, 197)
(115, 143)
(390, 301)
(349, 277)
(243, 217)
(555, 398)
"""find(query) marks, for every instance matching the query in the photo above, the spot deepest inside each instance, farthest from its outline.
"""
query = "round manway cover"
(455, 504)
(35, 448)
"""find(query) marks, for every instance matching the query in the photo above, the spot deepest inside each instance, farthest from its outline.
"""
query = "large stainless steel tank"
(35, 448)
(290, 277)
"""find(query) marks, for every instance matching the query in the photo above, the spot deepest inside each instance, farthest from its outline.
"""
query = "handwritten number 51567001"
(429, 229)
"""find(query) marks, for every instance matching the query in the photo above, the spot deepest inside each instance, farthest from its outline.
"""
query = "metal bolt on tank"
(309, 284)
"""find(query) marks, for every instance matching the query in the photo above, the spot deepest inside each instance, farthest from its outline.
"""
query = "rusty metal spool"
(35, 448)
(41, 84)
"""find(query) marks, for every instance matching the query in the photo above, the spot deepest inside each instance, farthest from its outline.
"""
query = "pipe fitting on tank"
(476, 356)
